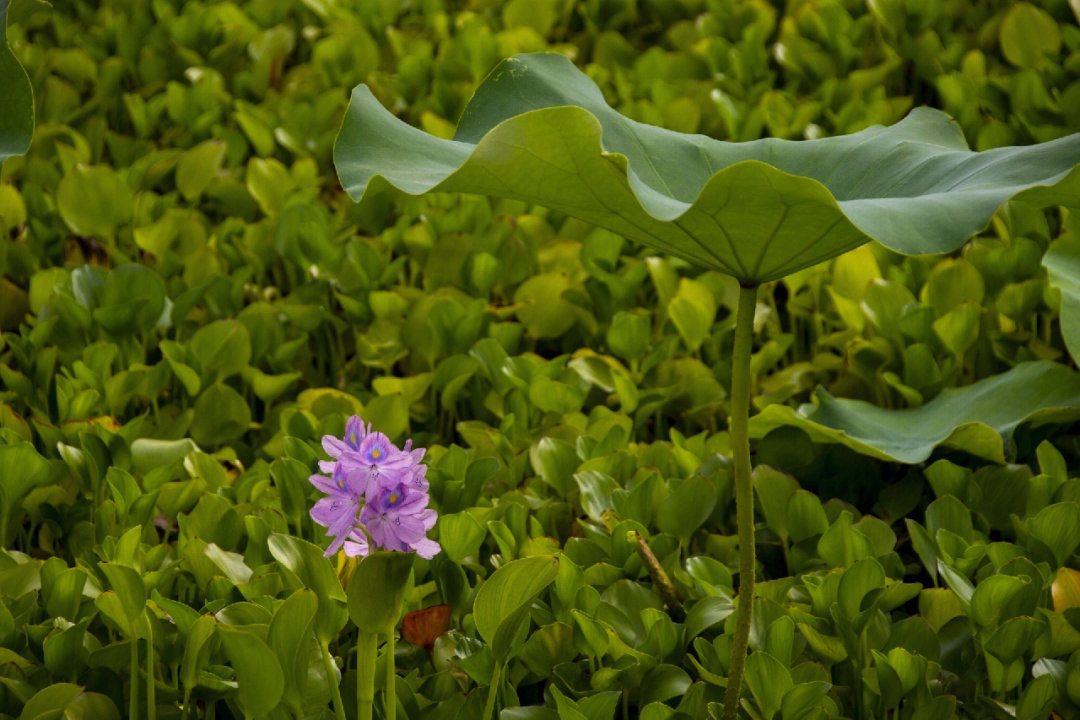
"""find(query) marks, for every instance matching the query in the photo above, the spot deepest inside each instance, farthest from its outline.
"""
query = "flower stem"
(390, 695)
(739, 420)
(366, 646)
(335, 691)
(493, 690)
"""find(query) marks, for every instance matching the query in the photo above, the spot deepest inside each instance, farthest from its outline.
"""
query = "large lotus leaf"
(16, 98)
(979, 418)
(539, 130)
(1062, 262)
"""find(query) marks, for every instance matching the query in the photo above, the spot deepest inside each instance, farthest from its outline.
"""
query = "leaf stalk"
(739, 420)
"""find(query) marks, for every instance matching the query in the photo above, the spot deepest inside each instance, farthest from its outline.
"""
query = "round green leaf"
(541, 308)
(221, 415)
(539, 130)
(223, 348)
(198, 167)
(94, 200)
(132, 299)
(1028, 35)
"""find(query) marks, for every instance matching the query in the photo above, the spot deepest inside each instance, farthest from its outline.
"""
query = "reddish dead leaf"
(422, 627)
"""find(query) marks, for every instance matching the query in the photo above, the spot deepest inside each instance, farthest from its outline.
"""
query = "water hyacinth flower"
(376, 494)
(398, 518)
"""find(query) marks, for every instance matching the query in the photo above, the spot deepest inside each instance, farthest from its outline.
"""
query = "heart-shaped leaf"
(539, 130)
(504, 599)
(258, 672)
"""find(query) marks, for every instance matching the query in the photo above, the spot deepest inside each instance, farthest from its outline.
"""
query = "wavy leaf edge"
(453, 160)
(813, 418)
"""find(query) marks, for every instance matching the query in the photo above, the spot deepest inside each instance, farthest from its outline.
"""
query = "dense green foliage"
(189, 301)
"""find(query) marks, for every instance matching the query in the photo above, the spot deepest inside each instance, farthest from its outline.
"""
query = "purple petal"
(333, 446)
(355, 432)
(324, 484)
(427, 548)
(428, 517)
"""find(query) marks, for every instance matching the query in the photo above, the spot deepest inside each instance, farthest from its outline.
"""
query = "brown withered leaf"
(422, 627)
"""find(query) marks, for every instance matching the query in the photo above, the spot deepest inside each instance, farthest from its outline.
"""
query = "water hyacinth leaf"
(132, 298)
(1037, 699)
(258, 672)
(971, 418)
(460, 535)
(503, 601)
(290, 638)
(197, 649)
(23, 469)
(198, 167)
(376, 589)
(94, 200)
(687, 507)
(1058, 528)
(223, 348)
(129, 588)
(91, 706)
(537, 129)
(50, 701)
(1028, 35)
(769, 681)
(221, 415)
(16, 97)
(311, 570)
(664, 682)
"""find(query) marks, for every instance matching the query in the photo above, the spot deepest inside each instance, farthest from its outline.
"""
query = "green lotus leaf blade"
(538, 130)
(973, 418)
(1062, 263)
(16, 98)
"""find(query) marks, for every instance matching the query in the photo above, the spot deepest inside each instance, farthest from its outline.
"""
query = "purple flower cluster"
(376, 494)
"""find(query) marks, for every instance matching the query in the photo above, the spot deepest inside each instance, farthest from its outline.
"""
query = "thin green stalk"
(493, 690)
(366, 647)
(335, 691)
(739, 420)
(151, 690)
(133, 701)
(390, 696)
